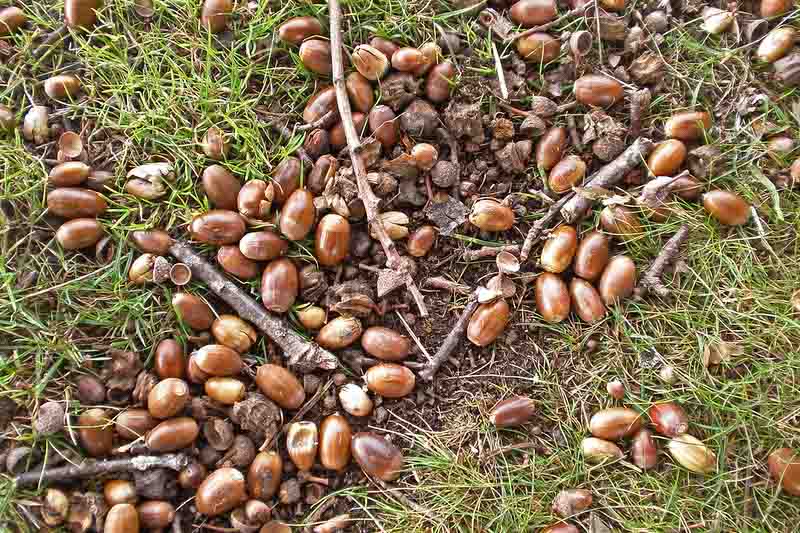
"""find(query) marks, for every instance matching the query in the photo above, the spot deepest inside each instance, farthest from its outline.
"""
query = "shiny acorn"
(687, 125)
(154, 514)
(81, 14)
(421, 240)
(360, 92)
(487, 322)
(669, 419)
(122, 518)
(370, 62)
(550, 148)
(262, 245)
(598, 91)
(355, 400)
(218, 360)
(618, 280)
(95, 432)
(776, 44)
(75, 202)
(491, 215)
(254, 200)
(116, 491)
(559, 249)
(615, 423)
(586, 301)
(431, 52)
(168, 398)
(727, 207)
(538, 47)
(512, 412)
(566, 174)
(592, 256)
(774, 8)
(407, 59)
(223, 490)
(11, 19)
(172, 434)
(643, 449)
(383, 125)
(667, 158)
(315, 54)
(214, 14)
(298, 29)
(385, 344)
(233, 332)
(297, 215)
(279, 285)
(338, 139)
(335, 434)
(69, 174)
(312, 317)
(339, 333)
(286, 178)
(62, 86)
(234, 262)
(597, 451)
(530, 13)
(320, 103)
(217, 227)
(390, 380)
(79, 233)
(439, 83)
(154, 241)
(377, 456)
(281, 386)
(302, 440)
(226, 391)
(192, 311)
(264, 475)
(552, 297)
(692, 454)
(221, 187)
(132, 424)
(784, 467)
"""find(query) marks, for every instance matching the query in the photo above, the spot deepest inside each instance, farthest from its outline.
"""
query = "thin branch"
(489, 251)
(451, 341)
(287, 134)
(325, 121)
(540, 225)
(413, 336)
(651, 280)
(446, 285)
(501, 75)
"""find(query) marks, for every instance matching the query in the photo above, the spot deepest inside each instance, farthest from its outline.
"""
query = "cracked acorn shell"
(280, 284)
(669, 419)
(431, 52)
(728, 208)
(218, 226)
(421, 241)
(692, 454)
(298, 29)
(233, 332)
(586, 301)
(339, 333)
(618, 280)
(390, 380)
(192, 311)
(280, 385)
(301, 444)
(615, 423)
(254, 200)
(487, 322)
(598, 91)
(620, 220)
(512, 412)
(538, 47)
(221, 491)
(172, 435)
(784, 467)
(264, 475)
(491, 215)
(385, 344)
(552, 297)
(79, 233)
(559, 249)
(335, 434)
(370, 62)
(377, 456)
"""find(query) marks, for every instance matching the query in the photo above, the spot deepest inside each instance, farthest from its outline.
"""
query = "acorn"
(339, 333)
(214, 144)
(155, 241)
(387, 47)
(117, 491)
(132, 424)
(301, 444)
(279, 285)
(667, 158)
(512, 412)
(193, 372)
(320, 103)
(262, 246)
(221, 187)
(530, 13)
(323, 171)
(727, 207)
(598, 451)
(615, 423)
(687, 125)
(298, 215)
(355, 400)
(431, 53)
(34, 125)
(776, 44)
(122, 518)
(74, 202)
(280, 386)
(395, 223)
(168, 398)
(385, 344)
(779, 146)
(715, 20)
(615, 389)
(90, 390)
(370, 62)
(338, 138)
(95, 432)
(551, 147)
(221, 491)
(692, 454)
(407, 59)
(79, 233)
(172, 435)
(234, 262)
(62, 86)
(390, 380)
(598, 91)
(315, 54)
(586, 301)
(570, 502)
(784, 467)
(618, 280)
(335, 434)
(192, 475)
(274, 526)
(264, 475)
(566, 174)
(421, 241)
(377, 456)
(360, 92)
(774, 8)
(257, 512)
(233, 332)
(592, 256)
(214, 14)
(552, 297)
(286, 178)
(424, 156)
(141, 270)
(312, 317)
(8, 119)
(218, 226)
(192, 311)
(488, 322)
(613, 5)
(490, 215)
(643, 449)
(669, 419)
(538, 47)
(226, 391)
(620, 220)
(383, 125)
(559, 249)
(154, 514)
(218, 360)
(81, 14)
(11, 19)
(440, 81)
(687, 187)
(298, 29)
(55, 507)
(69, 174)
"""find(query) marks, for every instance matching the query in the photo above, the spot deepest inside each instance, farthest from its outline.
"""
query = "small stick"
(45, 47)
(287, 134)
(393, 261)
(489, 251)
(573, 132)
(446, 285)
(413, 336)
(451, 341)
(305, 355)
(325, 121)
(397, 494)
(501, 76)
(539, 226)
(651, 280)
(318, 512)
(761, 233)
(92, 468)
(640, 101)
(544, 27)
(300, 414)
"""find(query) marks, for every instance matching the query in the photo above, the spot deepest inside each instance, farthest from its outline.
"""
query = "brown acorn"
(530, 13)
(669, 419)
(407, 59)
(169, 360)
(550, 148)
(262, 246)
(425, 156)
(134, 423)
(226, 391)
(615, 423)
(335, 435)
(360, 92)
(385, 343)
(122, 518)
(218, 360)
(192, 475)
(488, 322)
(79, 233)
(559, 249)
(281, 386)
(193, 372)
(598, 91)
(117, 491)
(279, 285)
(431, 52)
(439, 83)
(692, 454)
(598, 451)
(192, 311)
(319, 104)
(324, 169)
(153, 241)
(667, 158)
(784, 467)
(254, 200)
(687, 125)
(69, 174)
(332, 240)
(390, 380)
(727, 207)
(298, 29)
(221, 187)
(338, 139)
(172, 435)
(586, 301)
(376, 456)
(154, 514)
(552, 297)
(302, 441)
(538, 47)
(774, 8)
(776, 44)
(592, 255)
(214, 144)
(512, 412)
(383, 125)
(74, 202)
(223, 490)
(421, 240)
(315, 54)
(286, 178)
(168, 398)
(214, 15)
(95, 432)
(11, 19)
(370, 62)
(339, 333)
(618, 280)
(384, 45)
(264, 475)
(233, 332)
(234, 262)
(566, 174)
(490, 215)
(570, 502)
(620, 220)
(561, 527)
(81, 14)
(298, 215)
(62, 86)
(218, 226)
(643, 449)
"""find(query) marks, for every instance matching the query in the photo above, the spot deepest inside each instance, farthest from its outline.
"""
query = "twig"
(317, 513)
(413, 336)
(446, 285)
(286, 134)
(640, 101)
(300, 414)
(573, 133)
(540, 225)
(45, 46)
(651, 280)
(489, 251)
(451, 341)
(325, 121)
(761, 233)
(369, 199)
(501, 76)
(92, 468)
(303, 354)
(397, 494)
(607, 177)
(544, 27)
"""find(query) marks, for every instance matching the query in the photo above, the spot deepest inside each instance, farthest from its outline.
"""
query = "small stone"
(310, 384)
(502, 129)
(289, 492)
(445, 174)
(49, 419)
(380, 415)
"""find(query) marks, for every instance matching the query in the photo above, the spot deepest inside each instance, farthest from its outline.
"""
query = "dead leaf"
(716, 353)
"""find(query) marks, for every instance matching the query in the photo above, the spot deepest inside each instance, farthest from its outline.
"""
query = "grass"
(152, 90)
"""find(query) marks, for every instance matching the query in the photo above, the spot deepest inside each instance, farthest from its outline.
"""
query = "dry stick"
(640, 101)
(446, 285)
(287, 134)
(303, 354)
(540, 225)
(451, 341)
(397, 494)
(369, 199)
(325, 121)
(544, 27)
(608, 176)
(573, 133)
(489, 251)
(651, 281)
(92, 468)
(501, 75)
